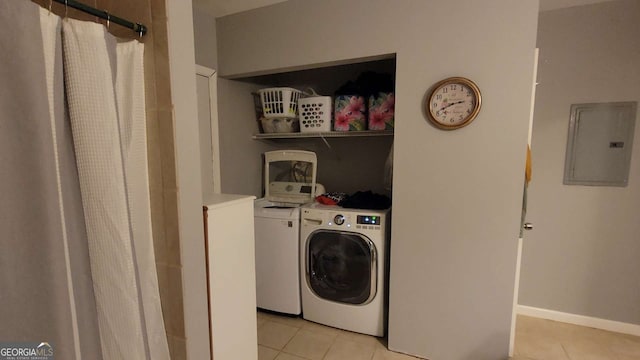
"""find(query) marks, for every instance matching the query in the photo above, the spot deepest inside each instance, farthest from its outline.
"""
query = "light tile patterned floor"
(287, 338)
(539, 339)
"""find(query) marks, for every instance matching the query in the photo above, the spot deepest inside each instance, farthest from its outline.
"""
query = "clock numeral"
(445, 90)
(435, 104)
(439, 97)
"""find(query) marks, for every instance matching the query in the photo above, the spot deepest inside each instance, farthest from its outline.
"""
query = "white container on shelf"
(279, 102)
(315, 114)
(280, 125)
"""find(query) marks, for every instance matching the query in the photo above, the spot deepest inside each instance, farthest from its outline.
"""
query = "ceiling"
(220, 8)
(558, 4)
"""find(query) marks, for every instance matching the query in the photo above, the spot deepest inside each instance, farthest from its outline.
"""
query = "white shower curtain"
(92, 213)
(105, 93)
(45, 278)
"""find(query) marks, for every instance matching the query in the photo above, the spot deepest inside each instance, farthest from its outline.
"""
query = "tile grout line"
(330, 346)
(281, 351)
(374, 353)
(292, 336)
(565, 351)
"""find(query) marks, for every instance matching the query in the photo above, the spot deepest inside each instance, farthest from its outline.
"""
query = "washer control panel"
(343, 220)
(368, 219)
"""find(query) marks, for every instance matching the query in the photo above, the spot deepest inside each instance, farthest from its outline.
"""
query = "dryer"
(343, 267)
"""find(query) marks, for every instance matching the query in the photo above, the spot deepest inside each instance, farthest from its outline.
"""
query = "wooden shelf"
(328, 134)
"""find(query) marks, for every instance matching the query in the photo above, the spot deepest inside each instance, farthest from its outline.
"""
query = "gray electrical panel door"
(599, 144)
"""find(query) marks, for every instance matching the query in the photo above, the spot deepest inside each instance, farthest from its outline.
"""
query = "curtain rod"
(137, 27)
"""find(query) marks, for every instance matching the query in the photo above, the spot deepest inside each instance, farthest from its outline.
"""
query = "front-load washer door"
(341, 266)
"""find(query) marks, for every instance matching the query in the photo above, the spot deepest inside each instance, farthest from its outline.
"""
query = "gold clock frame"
(449, 81)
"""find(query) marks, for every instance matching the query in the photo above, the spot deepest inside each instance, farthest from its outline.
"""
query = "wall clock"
(453, 103)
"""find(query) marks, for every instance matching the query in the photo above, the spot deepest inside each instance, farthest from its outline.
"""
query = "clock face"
(454, 103)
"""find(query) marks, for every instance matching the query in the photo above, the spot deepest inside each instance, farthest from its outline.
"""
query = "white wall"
(204, 33)
(240, 156)
(183, 92)
(457, 195)
(583, 257)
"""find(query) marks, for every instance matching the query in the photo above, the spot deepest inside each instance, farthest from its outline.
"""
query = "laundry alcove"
(347, 161)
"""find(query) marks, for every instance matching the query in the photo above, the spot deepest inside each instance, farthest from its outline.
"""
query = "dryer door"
(342, 266)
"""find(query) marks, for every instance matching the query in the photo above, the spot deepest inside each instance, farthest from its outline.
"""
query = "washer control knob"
(338, 219)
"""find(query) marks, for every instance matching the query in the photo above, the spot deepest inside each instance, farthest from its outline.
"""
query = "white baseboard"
(603, 324)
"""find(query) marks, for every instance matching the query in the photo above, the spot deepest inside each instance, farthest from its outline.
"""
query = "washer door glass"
(341, 266)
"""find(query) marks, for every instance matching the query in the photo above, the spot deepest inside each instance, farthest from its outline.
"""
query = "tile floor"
(539, 339)
(287, 338)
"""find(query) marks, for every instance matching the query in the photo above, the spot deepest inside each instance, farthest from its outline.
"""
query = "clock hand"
(454, 103)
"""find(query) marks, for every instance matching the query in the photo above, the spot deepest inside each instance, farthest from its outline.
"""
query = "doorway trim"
(516, 288)
(212, 75)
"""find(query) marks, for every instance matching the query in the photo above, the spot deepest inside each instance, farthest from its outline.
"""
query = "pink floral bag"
(381, 111)
(349, 114)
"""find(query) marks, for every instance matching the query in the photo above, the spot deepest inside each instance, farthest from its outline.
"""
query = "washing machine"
(343, 267)
(290, 181)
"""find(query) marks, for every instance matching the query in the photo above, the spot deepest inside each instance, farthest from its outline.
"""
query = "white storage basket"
(315, 114)
(281, 102)
(280, 125)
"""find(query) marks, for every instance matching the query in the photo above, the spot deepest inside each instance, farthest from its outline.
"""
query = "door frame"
(212, 76)
(516, 288)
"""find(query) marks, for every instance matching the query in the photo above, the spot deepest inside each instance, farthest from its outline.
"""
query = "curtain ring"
(66, 8)
(50, 3)
(108, 19)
